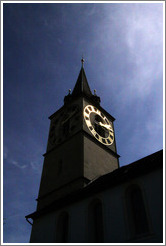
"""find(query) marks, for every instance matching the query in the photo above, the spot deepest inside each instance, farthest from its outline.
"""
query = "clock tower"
(81, 144)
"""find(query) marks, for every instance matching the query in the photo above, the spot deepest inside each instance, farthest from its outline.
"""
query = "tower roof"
(82, 86)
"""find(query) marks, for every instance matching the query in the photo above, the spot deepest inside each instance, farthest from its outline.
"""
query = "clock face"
(99, 125)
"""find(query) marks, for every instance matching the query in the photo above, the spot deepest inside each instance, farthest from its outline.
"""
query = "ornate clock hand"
(96, 122)
(108, 127)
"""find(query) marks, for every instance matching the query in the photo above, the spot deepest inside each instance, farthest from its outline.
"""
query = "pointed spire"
(82, 86)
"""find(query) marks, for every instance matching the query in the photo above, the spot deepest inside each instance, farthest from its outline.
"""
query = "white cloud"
(10, 160)
(141, 25)
(144, 40)
(130, 37)
(144, 23)
(15, 163)
(36, 166)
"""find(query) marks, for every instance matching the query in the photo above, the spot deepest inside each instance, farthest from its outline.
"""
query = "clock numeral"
(98, 112)
(102, 114)
(100, 138)
(89, 124)
(108, 141)
(86, 110)
(97, 136)
(93, 131)
(90, 108)
(106, 121)
(87, 118)
(103, 140)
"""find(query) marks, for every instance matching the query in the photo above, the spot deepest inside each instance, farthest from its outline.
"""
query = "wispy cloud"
(15, 163)
(144, 40)
(12, 161)
(36, 166)
(141, 26)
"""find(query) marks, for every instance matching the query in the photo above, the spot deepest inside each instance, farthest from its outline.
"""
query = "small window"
(95, 214)
(62, 228)
(136, 210)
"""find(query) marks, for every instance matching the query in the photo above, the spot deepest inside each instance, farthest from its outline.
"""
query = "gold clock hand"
(101, 124)
(108, 127)
(96, 122)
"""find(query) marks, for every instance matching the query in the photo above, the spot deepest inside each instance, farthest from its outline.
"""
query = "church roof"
(123, 174)
(82, 86)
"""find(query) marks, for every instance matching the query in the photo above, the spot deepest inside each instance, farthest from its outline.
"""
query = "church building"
(84, 195)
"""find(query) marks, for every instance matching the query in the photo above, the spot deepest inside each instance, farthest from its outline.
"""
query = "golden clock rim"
(93, 131)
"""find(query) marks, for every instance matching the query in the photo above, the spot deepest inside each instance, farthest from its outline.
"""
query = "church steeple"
(81, 87)
(81, 147)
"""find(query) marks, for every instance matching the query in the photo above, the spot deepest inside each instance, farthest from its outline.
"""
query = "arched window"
(137, 216)
(95, 217)
(62, 228)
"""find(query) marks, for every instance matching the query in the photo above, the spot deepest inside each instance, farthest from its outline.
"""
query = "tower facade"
(81, 146)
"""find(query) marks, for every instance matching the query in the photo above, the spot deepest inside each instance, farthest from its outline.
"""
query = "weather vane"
(82, 61)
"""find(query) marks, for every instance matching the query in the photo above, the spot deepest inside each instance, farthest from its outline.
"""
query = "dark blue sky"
(43, 46)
